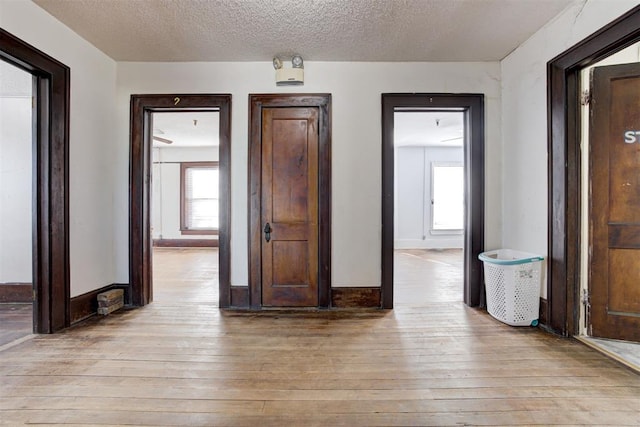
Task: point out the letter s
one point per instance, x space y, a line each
629 137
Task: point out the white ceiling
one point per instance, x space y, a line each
201 129
186 129
426 128
319 30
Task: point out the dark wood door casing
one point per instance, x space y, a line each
259 105
51 90
473 107
140 243
564 171
614 203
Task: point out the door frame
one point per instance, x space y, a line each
602 319
473 107
564 165
50 217
256 103
140 242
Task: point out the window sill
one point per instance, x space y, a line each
446 232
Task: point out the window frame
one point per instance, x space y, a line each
184 230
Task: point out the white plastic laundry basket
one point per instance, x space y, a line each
512 280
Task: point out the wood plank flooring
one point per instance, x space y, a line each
16 321
183 362
427 276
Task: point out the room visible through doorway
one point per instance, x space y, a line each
16 184
429 206
185 195
471 108
183 142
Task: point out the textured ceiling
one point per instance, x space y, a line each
320 30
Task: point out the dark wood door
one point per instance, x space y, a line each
290 207
614 163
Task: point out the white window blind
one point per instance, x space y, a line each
201 198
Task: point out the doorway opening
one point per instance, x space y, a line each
49 180
16 241
471 109
185 198
183 215
429 206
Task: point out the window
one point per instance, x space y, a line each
199 198
447 197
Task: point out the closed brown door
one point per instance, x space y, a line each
289 207
614 277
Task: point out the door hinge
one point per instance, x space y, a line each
585 299
34 295
585 97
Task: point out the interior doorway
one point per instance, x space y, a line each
16 241
50 178
185 181
183 143
567 271
429 206
470 107
565 232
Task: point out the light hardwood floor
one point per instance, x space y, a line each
15 321
183 362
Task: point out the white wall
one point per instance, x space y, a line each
356 145
99 150
524 119
165 197
413 216
15 175
92 142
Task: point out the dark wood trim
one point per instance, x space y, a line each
185 243
542 318
563 121
51 84
240 296
86 305
323 103
356 297
142 106
183 191
16 292
473 107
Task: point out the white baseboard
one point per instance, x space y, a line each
451 243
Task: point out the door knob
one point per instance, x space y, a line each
267 232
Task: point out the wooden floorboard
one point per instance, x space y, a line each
183 362
16 320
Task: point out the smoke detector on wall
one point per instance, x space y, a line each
293 76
